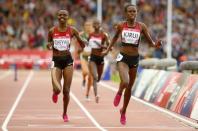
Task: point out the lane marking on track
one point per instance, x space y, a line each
93 127
4 75
6 121
22 117
174 115
50 126
87 112
84 109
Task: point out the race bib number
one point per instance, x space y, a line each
62 43
95 42
130 36
119 57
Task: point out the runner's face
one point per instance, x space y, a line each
96 25
63 15
88 27
131 13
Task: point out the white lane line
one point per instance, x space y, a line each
5 123
93 127
172 114
87 113
7 73
50 126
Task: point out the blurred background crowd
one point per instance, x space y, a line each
24 23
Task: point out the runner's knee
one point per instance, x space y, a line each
66 91
125 83
95 77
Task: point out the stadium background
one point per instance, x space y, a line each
24 23
23 37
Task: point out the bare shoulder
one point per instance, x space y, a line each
51 30
73 30
142 24
104 33
50 33
119 25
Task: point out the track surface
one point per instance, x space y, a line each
26 105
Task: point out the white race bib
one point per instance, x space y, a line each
130 36
95 42
119 57
61 43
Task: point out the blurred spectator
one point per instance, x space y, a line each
24 23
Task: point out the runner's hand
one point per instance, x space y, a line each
158 44
49 46
104 52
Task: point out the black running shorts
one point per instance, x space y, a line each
97 59
131 61
62 61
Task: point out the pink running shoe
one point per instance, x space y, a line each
122 118
117 99
54 98
65 118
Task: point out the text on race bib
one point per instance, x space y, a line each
61 43
130 36
95 42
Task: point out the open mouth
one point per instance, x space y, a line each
62 19
132 16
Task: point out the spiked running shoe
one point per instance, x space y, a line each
122 118
65 118
54 97
117 99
